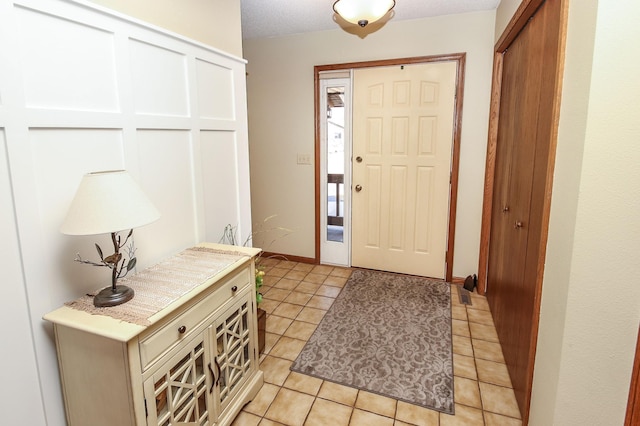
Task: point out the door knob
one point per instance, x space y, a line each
359 159
518 224
358 188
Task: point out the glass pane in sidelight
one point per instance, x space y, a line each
335 163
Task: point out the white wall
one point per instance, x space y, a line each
21 401
82 91
281 118
212 22
505 11
591 298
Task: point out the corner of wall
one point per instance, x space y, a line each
588 318
505 11
566 187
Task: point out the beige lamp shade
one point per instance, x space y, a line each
362 12
106 202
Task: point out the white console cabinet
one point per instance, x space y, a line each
196 363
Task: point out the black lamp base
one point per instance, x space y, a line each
108 297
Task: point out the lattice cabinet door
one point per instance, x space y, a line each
180 391
235 349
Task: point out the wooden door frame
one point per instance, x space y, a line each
460 59
633 403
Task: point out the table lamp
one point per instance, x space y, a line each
110 202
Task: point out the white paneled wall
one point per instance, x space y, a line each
215 80
159 79
225 144
82 90
168 181
66 65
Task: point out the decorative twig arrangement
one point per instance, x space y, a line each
229 236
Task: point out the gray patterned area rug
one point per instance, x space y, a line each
389 334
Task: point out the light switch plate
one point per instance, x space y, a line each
304 158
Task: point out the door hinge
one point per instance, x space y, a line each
146 411
450 177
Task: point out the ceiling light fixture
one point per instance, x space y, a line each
362 12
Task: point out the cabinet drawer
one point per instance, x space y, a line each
179 328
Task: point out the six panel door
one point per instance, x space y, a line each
402 149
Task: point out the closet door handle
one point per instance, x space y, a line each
518 225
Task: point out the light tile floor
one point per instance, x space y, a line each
296 297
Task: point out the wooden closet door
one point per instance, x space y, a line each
512 193
525 136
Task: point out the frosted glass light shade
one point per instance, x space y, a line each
362 12
108 202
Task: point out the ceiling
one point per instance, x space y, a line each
272 18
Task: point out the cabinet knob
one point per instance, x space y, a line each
518 225
505 209
182 329
234 288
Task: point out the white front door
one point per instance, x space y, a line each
402 149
